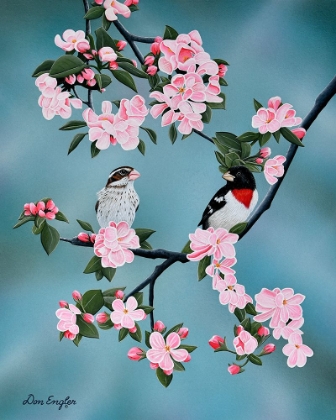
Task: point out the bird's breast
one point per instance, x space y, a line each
244 196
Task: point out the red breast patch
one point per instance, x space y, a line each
244 196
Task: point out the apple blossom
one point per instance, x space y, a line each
69 335
216 341
71 79
149 60
265 121
223 266
130 2
232 293
222 69
72 41
113 8
296 351
234 369
155 48
126 314
274 169
259 161
133 330
263 331
67 321
113 65
107 54
136 354
286 116
164 351
188 358
245 343
285 329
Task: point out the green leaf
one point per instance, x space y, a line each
75 141
94 13
164 379
99 275
246 324
123 333
206 116
229 140
250 309
223 169
173 329
104 40
189 349
238 228
61 217
112 292
73 125
218 105
39 221
221 61
246 150
94 150
43 68
137 336
37 230
107 325
185 136
257 105
124 78
133 8
186 249
109 272
130 68
248 136
264 139
106 24
255 327
151 134
147 335
92 301
24 220
291 137
147 309
172 133
221 146
254 359
230 158
202 265
144 233
77 339
223 82
85 225
49 238
252 167
153 81
178 366
93 265
142 147
139 297
87 330
66 65
240 314
276 135
170 33
146 245
91 41
220 158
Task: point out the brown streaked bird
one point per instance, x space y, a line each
118 200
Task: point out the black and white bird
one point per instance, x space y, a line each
233 203
118 200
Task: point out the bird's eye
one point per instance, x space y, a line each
123 172
238 173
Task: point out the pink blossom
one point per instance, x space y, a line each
279 305
163 352
126 314
135 64
217 242
117 327
89 318
232 293
69 335
76 295
183 333
223 266
234 369
149 60
46 84
153 366
222 69
216 341
136 354
121 44
296 351
299 132
265 152
119 294
72 40
187 359
286 116
71 79
245 343
130 2
113 65
45 210
274 102
107 54
265 121
83 237
159 326
151 70
113 242
113 8
63 304
102 317
269 348
274 169
263 331
284 329
68 320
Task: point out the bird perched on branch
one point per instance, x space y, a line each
118 200
234 202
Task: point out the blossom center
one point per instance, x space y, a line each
181 90
167 348
297 346
217 265
125 311
284 302
230 287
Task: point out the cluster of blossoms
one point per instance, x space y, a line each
277 115
87 75
273 168
72 40
219 244
284 309
122 128
85 237
53 100
113 242
114 8
163 351
184 98
46 210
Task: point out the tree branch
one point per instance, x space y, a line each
87 33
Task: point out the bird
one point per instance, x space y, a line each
118 200
233 203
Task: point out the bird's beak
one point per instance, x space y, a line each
228 176
133 175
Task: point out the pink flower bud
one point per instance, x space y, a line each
89 318
135 64
299 132
130 2
93 238
50 216
135 353
222 69
149 60
188 358
153 365
216 341
84 237
102 317
158 39
80 78
239 329
71 79
41 213
33 209
168 372
76 295
91 82
159 326
152 70
265 152
117 327
99 1
40 206
88 74
234 369
69 335
259 160
63 304
269 348
113 65
121 45
155 48
262 331
183 332
119 294
83 46
133 330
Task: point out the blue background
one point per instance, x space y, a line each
284 48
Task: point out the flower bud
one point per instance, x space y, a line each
121 45
135 64
239 329
119 294
89 318
153 365
222 69
262 331
259 161
216 341
299 132
113 65
234 369
71 79
136 354
93 238
83 237
269 348
265 152
117 327
183 332
102 317
155 48
76 295
168 372
152 70
149 60
159 326
69 335
133 330
188 358
63 304
158 39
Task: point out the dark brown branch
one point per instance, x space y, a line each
87 33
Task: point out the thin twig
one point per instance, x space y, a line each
89 102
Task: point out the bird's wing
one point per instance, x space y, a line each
96 206
216 203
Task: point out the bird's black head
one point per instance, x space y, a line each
240 177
